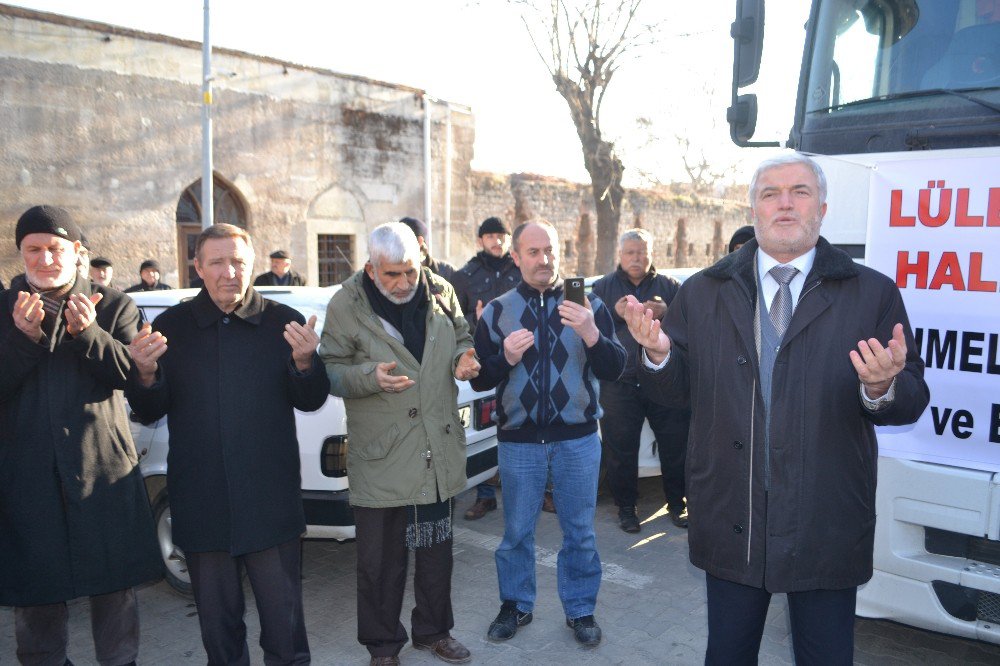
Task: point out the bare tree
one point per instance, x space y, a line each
582 45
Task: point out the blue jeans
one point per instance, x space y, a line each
485 491
524 470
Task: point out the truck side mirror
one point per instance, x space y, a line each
742 118
747 32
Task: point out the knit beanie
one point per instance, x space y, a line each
46 220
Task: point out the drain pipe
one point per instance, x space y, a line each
447 180
427 173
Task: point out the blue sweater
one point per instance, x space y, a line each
552 393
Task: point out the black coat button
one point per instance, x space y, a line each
447 428
741 359
738 528
413 412
737 445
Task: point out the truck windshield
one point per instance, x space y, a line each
878 49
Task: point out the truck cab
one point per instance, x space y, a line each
911 86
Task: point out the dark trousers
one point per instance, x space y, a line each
822 624
625 408
276 579
42 633
382 563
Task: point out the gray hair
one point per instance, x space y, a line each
784 160
636 234
393 243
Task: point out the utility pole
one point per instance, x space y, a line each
207 181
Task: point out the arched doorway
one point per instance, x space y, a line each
230 208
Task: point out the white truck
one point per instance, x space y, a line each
899 101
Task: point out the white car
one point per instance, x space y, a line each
323 440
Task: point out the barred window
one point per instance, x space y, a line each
334 252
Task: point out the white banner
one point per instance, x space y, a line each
934 227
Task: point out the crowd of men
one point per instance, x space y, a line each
752 376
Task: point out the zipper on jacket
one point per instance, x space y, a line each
753 408
543 359
427 454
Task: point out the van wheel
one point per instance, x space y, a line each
174 563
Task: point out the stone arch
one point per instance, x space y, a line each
336 235
229 206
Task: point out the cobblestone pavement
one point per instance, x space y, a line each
651 607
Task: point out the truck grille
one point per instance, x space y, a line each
988 607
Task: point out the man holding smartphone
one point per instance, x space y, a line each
546 356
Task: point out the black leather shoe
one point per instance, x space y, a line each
585 630
627 520
679 518
507 622
447 649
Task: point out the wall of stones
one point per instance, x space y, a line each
107 123
687 233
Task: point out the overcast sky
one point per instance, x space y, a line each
479 54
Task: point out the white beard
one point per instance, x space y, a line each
388 294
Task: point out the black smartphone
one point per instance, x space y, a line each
574 291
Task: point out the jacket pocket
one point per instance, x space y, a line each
371 444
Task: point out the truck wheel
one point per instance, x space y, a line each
174 564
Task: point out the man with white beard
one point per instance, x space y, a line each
394 342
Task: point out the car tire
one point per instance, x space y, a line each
174 563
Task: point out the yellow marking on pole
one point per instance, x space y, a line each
207 97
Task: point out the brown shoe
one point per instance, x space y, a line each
480 508
384 661
548 504
447 649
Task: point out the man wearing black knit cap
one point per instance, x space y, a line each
74 515
149 274
484 277
438 267
740 236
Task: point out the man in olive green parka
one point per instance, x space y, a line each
394 342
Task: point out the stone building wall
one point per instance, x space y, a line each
106 122
687 233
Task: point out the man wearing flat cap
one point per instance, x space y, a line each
101 271
149 274
436 266
74 516
281 273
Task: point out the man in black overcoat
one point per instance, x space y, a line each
228 368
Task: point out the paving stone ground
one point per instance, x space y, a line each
651 607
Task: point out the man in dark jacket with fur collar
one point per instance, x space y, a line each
790 355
